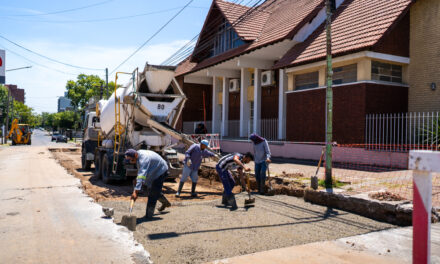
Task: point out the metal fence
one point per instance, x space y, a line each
403 131
269 128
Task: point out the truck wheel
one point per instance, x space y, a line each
85 164
98 167
106 167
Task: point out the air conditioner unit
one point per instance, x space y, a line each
234 85
267 78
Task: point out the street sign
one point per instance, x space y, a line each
2 66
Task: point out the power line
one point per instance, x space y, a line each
36 63
180 55
190 44
64 11
48 58
149 39
105 19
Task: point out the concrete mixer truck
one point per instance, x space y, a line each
140 115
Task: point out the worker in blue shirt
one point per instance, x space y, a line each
152 171
262 159
224 166
192 162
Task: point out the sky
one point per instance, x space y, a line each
97 36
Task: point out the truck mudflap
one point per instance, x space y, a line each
90 156
90 146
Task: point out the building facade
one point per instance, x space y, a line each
263 69
64 103
16 93
424 79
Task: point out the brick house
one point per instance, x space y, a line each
16 93
263 69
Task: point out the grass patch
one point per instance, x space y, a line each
335 183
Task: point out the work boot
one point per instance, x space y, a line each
179 189
149 212
224 200
193 189
165 203
262 185
258 184
232 202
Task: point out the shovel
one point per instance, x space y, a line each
251 201
129 220
270 192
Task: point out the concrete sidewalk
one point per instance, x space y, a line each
389 246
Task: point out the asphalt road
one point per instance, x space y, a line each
45 217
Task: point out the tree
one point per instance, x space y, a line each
23 113
86 87
3 100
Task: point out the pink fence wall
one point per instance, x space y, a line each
309 151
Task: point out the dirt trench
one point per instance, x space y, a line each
70 159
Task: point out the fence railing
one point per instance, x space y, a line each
403 131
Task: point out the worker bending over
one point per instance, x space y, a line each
152 171
262 160
224 167
194 156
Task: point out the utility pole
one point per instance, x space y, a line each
106 82
101 92
7 118
329 99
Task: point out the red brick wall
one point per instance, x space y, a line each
269 102
193 110
234 106
396 40
351 103
16 93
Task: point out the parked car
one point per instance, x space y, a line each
61 138
54 136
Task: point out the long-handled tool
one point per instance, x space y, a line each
270 192
314 179
251 201
270 179
129 220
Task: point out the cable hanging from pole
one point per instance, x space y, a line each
180 55
150 38
62 11
48 58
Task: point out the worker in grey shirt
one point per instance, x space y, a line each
152 171
191 165
261 159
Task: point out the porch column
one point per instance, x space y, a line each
216 109
257 101
244 103
225 107
282 104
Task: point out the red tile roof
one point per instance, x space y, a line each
357 25
273 21
249 29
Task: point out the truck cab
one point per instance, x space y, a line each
91 127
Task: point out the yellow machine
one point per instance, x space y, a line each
19 133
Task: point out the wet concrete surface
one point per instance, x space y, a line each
197 232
